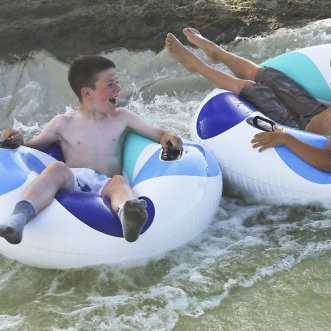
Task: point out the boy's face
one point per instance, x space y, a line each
107 89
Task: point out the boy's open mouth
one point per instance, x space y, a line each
113 101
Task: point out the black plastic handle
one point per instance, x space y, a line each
261 123
170 153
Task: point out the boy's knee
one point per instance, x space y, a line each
117 180
59 169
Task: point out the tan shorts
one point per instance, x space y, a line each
281 99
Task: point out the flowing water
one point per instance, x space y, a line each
257 267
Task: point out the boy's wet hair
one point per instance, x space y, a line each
84 72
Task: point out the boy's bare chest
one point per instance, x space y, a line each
87 134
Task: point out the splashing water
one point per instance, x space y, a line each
257 267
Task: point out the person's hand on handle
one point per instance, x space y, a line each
12 136
266 140
172 140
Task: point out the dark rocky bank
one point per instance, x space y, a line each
67 28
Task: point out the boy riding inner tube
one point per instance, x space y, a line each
78 229
225 124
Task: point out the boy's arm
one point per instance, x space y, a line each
317 157
49 135
45 138
137 124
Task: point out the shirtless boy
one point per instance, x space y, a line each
270 91
91 140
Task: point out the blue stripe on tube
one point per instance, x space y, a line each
221 113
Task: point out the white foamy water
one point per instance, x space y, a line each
257 267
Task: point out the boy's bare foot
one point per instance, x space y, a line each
133 216
182 54
213 51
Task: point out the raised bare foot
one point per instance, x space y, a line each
133 216
182 54
213 51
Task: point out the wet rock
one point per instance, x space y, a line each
68 28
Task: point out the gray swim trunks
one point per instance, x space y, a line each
281 99
88 180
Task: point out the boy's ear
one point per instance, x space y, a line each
85 92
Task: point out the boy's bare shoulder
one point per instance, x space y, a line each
124 112
121 111
60 122
63 118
